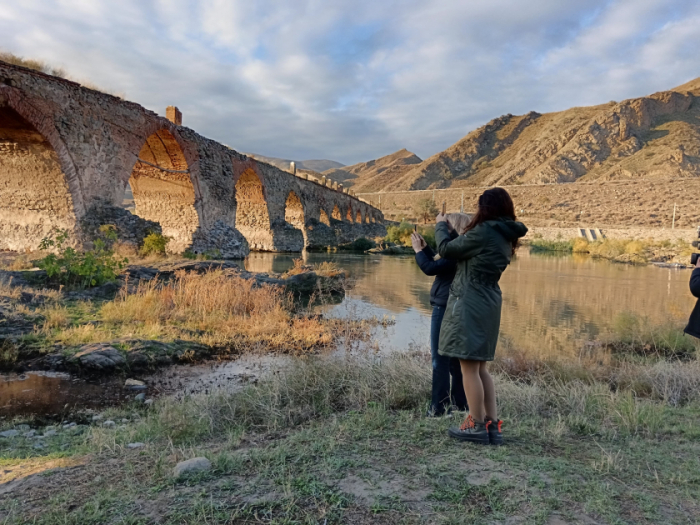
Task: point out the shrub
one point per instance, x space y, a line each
77 269
425 209
361 245
400 234
580 245
541 245
154 244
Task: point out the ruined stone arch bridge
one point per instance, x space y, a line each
67 154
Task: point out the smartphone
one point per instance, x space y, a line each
444 207
415 227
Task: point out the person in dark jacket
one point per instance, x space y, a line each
443 395
693 327
472 320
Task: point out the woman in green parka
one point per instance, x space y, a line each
472 320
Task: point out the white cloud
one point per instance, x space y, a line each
352 80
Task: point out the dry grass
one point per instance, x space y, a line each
220 310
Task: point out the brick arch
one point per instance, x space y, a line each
348 214
358 217
164 188
39 188
252 212
335 214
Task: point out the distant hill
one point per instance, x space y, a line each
375 175
317 165
653 136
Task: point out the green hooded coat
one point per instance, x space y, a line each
473 313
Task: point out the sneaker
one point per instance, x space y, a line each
494 430
472 431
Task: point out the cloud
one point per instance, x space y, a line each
353 80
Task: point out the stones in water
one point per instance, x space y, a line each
191 466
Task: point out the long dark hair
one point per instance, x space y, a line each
494 203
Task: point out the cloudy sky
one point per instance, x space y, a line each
352 80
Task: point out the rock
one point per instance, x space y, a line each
49 433
99 357
38 445
29 434
124 420
97 417
135 384
140 397
109 424
23 428
9 433
69 425
191 466
148 402
135 445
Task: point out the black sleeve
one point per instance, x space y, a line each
695 283
431 267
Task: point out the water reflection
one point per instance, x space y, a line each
551 305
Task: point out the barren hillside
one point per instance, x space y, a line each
654 136
375 175
317 165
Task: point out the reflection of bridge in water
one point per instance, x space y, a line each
67 154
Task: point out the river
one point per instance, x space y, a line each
552 305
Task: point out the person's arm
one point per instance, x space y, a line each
695 281
431 267
463 247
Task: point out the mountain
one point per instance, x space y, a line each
653 136
375 175
317 165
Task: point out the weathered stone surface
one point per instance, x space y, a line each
9 433
67 155
99 357
191 466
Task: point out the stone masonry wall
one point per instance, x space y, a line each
66 150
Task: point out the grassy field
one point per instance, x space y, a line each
345 440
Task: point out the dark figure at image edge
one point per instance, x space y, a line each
473 316
693 327
443 396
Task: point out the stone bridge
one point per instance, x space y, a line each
68 153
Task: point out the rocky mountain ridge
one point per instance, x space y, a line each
646 137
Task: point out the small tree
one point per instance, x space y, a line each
426 209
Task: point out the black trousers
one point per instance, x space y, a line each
444 395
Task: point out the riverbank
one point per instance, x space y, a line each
621 250
179 312
345 440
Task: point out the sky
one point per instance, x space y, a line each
352 80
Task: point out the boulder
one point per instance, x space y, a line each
99 357
191 466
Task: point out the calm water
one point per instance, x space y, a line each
551 304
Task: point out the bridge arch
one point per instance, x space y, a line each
323 217
164 189
252 212
39 187
358 217
348 214
335 214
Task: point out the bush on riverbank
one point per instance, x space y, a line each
633 251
